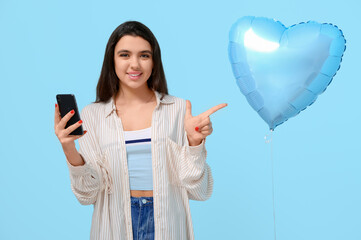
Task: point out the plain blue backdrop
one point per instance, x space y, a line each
51 47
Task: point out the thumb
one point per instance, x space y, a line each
188 108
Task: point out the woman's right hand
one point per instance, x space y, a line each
61 132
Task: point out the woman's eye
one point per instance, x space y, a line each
145 56
123 55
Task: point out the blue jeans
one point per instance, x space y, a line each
142 218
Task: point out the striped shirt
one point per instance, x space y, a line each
180 172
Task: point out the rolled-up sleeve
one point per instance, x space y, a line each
194 173
86 179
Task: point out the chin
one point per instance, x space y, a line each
136 85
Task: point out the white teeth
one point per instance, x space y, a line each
134 75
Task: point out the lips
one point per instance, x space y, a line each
134 75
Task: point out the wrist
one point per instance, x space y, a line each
194 142
73 157
68 147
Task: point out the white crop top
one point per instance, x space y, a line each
139 156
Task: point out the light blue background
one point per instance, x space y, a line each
51 47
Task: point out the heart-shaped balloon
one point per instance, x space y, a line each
282 70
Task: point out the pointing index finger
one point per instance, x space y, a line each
214 109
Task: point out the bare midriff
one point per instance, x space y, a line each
141 193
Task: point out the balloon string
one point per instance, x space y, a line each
268 139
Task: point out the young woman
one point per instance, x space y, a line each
143 155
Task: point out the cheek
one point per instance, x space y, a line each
119 66
150 67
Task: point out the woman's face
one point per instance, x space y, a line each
133 61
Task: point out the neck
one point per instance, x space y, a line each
133 96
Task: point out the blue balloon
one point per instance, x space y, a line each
282 70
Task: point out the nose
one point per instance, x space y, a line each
134 63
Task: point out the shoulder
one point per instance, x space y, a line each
95 109
92 107
174 102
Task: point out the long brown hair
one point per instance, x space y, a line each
108 84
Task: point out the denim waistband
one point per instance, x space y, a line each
140 201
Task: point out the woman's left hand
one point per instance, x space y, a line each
199 127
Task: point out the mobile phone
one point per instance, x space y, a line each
66 103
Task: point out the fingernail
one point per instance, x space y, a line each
72 111
80 121
56 105
197 128
85 132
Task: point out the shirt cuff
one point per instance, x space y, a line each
79 170
196 150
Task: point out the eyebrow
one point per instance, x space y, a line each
127 51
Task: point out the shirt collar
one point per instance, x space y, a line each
166 99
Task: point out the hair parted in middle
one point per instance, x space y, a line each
108 84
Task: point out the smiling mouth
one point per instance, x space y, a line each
134 75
